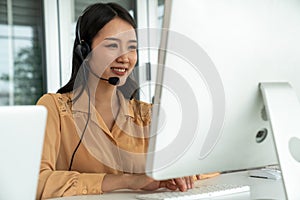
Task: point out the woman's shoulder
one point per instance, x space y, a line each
56 102
141 109
55 98
141 104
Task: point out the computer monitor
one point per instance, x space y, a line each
22 130
209 112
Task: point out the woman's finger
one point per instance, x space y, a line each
188 182
169 184
181 184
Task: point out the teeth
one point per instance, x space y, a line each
119 69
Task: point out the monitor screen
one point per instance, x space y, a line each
208 112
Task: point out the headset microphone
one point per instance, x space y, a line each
112 80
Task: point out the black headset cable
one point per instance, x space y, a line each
88 117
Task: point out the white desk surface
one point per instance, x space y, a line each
260 189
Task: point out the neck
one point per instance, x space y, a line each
105 93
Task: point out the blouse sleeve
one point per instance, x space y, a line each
54 183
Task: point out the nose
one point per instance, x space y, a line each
123 58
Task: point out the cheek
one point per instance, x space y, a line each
133 59
102 56
100 59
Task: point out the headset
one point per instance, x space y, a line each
83 48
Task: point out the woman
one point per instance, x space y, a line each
96 134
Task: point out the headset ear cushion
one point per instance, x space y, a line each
82 50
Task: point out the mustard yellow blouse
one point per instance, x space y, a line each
121 150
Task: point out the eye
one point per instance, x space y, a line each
112 46
132 47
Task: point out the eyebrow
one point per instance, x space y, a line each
117 39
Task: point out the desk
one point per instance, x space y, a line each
261 189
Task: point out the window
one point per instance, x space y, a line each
22 52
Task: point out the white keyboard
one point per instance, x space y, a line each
197 193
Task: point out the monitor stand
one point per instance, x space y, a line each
283 110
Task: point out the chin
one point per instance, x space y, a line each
122 81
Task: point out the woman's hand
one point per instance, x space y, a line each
144 182
183 184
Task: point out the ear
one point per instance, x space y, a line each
82 50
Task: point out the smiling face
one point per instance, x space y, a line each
114 50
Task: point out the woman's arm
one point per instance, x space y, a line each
53 182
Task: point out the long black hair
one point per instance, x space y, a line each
93 19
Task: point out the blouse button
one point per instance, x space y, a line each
84 191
